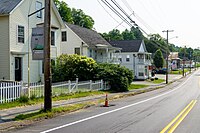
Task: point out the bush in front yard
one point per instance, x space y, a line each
70 67
118 76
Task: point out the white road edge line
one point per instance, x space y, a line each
108 112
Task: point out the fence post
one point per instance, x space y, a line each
69 86
76 84
1 91
102 87
20 88
90 84
29 91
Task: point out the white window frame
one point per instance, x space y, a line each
38 14
23 36
54 38
62 36
127 58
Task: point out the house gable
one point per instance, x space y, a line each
142 47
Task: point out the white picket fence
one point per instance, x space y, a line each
10 91
37 89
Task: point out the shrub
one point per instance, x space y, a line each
23 99
70 67
118 77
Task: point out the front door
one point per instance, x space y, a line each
18 68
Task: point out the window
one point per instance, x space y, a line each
77 51
20 34
141 74
64 36
52 38
38 7
90 52
120 58
127 58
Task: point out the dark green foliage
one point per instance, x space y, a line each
158 59
23 99
118 77
128 35
70 67
115 34
74 16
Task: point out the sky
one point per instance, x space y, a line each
153 16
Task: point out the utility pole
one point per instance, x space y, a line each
47 59
184 61
190 61
167 66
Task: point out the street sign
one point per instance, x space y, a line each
37 43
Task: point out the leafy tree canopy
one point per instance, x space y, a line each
158 59
74 16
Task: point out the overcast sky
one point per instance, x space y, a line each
154 16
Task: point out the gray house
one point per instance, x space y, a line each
134 56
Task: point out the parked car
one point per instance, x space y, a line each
161 71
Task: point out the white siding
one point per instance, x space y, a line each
20 17
4 47
73 41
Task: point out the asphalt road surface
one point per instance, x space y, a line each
175 108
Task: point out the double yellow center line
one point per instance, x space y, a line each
179 118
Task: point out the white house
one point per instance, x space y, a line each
89 43
15 35
134 56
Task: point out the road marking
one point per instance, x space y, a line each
115 110
174 120
179 118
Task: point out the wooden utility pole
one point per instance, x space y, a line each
47 59
167 53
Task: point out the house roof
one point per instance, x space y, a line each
6 6
90 37
127 45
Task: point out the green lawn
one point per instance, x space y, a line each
158 81
179 71
136 86
23 101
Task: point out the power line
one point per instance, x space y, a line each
116 12
137 16
121 9
120 23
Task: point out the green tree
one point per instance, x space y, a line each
81 19
115 35
158 59
128 35
64 10
74 16
137 33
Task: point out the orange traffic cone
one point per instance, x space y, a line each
106 101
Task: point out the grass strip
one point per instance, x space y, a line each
137 86
39 115
25 101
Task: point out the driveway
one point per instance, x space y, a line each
171 77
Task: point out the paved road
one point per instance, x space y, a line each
145 113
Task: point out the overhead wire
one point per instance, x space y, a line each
120 23
121 9
116 12
147 26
